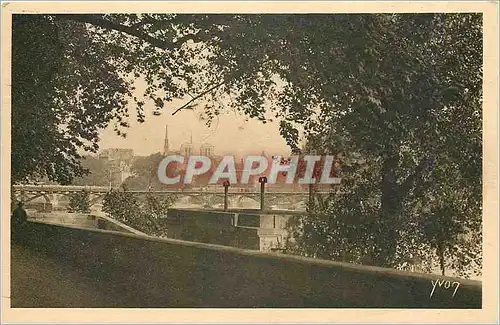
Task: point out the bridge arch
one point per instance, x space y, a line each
34 197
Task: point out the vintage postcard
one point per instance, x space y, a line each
243 162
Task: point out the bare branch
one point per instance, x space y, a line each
199 96
99 20
209 90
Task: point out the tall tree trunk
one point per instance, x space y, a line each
391 203
440 251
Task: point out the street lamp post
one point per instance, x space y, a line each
109 178
226 187
311 195
262 181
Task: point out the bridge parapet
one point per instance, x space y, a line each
105 189
53 194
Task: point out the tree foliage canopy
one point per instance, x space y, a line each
79 202
144 214
398 96
144 173
98 175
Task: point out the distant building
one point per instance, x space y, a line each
118 163
117 155
207 150
187 148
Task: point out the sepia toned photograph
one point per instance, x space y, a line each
245 160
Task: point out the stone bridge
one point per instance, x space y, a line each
58 196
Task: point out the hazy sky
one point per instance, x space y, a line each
230 134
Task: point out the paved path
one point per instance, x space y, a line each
38 281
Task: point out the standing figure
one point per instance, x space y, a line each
18 221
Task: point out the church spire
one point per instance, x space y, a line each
166 149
